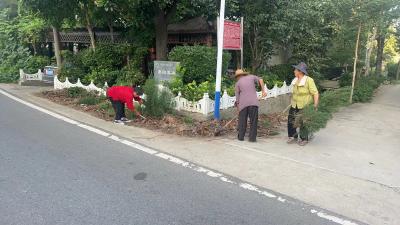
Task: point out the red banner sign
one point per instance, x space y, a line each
232 35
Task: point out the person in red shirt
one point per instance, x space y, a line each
119 96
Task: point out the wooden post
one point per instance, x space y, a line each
355 63
398 71
241 40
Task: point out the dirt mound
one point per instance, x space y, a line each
171 124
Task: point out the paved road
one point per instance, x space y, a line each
54 173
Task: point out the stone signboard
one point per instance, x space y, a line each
165 70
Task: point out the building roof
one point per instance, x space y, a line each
195 25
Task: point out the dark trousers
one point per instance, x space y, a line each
246 113
119 109
292 132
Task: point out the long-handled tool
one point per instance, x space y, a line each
141 116
219 130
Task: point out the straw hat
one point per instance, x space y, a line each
240 72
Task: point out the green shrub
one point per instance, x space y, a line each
312 121
36 62
346 80
191 91
73 67
332 100
365 87
194 92
271 80
176 85
284 72
230 90
106 57
392 70
100 76
157 102
130 77
75 92
89 100
199 63
12 58
188 120
105 105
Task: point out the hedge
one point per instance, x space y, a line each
332 100
198 63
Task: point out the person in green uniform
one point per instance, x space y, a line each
305 92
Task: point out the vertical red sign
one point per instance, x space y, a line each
232 35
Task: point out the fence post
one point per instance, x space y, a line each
225 100
79 83
21 76
178 101
205 106
275 91
40 74
67 84
284 88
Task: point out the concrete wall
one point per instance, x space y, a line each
271 105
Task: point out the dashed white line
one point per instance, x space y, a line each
174 159
332 218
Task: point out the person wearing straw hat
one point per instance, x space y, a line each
304 93
247 102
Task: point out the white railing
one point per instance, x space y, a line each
206 105
203 106
58 85
26 76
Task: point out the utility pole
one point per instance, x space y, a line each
221 22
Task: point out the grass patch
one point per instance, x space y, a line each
331 101
89 100
188 120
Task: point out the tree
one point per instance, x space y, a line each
155 15
31 30
387 12
261 26
87 8
54 12
13 55
397 34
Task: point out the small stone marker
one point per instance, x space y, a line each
165 70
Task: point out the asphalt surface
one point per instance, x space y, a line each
55 173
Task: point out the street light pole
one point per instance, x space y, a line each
220 35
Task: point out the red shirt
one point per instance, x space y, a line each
123 94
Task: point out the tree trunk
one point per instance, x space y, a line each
370 48
398 71
379 55
110 26
161 35
91 33
355 64
57 48
34 48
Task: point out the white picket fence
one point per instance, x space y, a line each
58 85
28 77
205 106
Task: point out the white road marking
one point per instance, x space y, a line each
176 160
332 218
94 130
